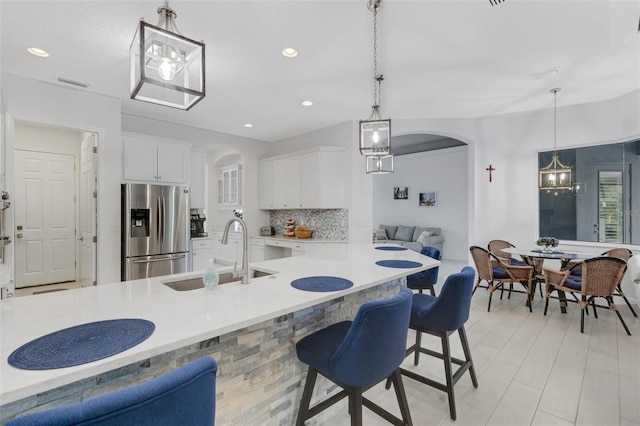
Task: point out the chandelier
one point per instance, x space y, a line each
375 131
167 68
555 175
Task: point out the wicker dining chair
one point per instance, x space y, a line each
620 253
600 276
497 273
496 247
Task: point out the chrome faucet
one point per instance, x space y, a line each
245 246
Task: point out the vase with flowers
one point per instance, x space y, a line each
547 243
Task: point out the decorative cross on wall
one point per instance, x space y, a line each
490 169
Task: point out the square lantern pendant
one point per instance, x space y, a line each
379 164
555 175
375 137
166 68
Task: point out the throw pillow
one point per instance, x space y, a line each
404 233
381 234
423 236
391 231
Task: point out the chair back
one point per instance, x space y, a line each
428 278
482 260
601 275
185 396
496 246
375 343
621 253
451 309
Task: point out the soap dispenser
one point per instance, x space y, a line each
211 277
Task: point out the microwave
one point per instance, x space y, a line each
267 231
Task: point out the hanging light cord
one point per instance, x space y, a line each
376 82
555 119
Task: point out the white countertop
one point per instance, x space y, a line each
181 318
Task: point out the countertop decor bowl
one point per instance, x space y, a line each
303 233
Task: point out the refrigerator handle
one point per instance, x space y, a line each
164 259
158 221
163 213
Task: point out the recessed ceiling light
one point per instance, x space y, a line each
307 103
38 52
248 125
289 52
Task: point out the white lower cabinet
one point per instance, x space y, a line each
201 252
230 253
256 249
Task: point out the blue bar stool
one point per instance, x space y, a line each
441 316
185 396
357 355
425 280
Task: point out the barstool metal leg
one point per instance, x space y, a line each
467 355
417 347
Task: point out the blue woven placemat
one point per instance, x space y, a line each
321 283
398 263
81 344
391 248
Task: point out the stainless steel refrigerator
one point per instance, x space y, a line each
155 230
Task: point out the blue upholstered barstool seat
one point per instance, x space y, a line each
441 316
425 279
358 354
185 396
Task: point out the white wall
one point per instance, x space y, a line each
444 171
32 101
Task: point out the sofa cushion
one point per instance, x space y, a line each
381 234
405 233
391 231
416 232
424 236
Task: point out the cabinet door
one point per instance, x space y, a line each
230 186
286 183
256 253
197 180
309 181
322 180
173 163
265 185
200 258
139 160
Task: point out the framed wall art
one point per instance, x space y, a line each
427 199
401 193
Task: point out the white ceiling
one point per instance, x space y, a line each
441 59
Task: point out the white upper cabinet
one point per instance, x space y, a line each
285 184
312 179
265 185
198 180
153 161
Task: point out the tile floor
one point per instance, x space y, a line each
532 369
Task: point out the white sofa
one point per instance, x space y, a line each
408 236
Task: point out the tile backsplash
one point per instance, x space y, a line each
330 224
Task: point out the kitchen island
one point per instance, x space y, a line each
250 330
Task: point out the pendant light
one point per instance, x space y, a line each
555 175
375 132
379 164
167 68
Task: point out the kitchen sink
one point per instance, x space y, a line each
195 283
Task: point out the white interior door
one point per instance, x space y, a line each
45 249
88 194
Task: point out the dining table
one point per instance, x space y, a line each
530 255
